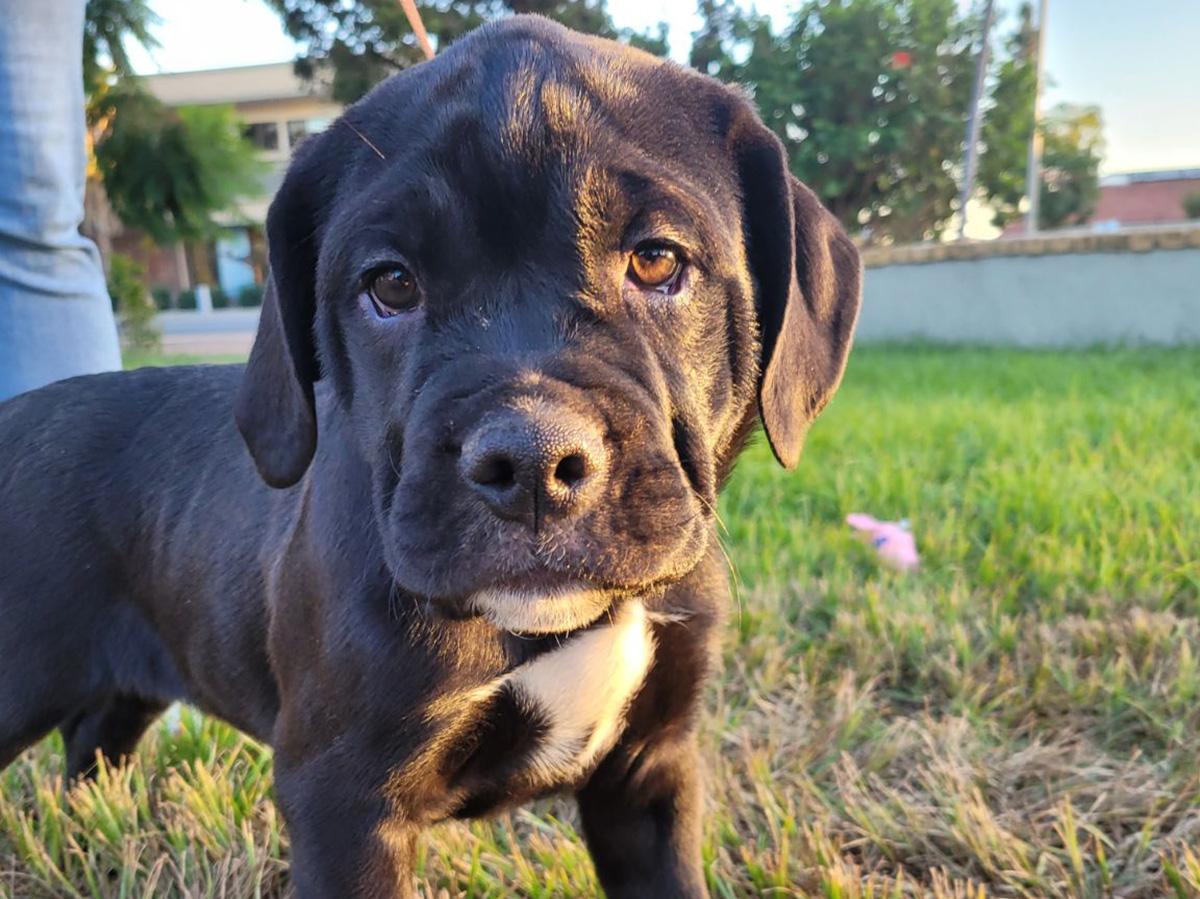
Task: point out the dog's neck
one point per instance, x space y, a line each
581 691
539 727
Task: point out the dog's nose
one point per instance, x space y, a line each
535 464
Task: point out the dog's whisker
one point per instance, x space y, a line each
716 514
735 580
366 140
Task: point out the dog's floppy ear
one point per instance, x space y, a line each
274 408
808 281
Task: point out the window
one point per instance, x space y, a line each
298 129
264 135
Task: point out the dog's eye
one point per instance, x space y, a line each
393 290
656 266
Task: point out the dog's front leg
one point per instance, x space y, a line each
344 844
641 820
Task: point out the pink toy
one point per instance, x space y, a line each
892 540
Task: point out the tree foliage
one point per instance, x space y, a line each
723 24
167 172
363 41
870 99
868 96
1073 145
107 24
1008 123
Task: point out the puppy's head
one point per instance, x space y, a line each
552 281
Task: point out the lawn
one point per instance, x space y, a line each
1020 718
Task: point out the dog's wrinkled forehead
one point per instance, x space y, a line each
531 79
539 134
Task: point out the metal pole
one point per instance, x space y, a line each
968 184
1033 170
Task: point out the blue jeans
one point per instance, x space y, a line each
55 317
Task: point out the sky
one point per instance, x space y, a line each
1139 60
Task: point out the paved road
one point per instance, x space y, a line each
218 333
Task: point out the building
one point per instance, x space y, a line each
1145 198
278 110
1135 199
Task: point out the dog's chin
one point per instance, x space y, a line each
539 610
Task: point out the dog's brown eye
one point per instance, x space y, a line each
394 290
656 266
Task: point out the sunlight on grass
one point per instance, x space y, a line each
1020 718
135 358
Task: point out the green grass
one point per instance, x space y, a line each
135 358
1020 718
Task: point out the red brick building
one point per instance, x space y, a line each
1145 198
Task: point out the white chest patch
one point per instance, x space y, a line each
583 689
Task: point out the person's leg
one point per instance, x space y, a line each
55 317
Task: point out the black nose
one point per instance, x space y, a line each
534 464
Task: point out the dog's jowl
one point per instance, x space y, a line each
447 541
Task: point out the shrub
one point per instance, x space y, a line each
186 299
220 299
250 296
1191 205
131 300
162 298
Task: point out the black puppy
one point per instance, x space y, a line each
528 300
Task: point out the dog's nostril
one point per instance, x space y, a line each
571 469
494 471
533 466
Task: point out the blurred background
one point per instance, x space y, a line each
1019 715
914 120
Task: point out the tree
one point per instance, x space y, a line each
363 41
868 96
1072 144
1072 148
655 43
1008 124
107 24
724 24
165 172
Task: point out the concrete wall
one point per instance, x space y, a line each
1072 291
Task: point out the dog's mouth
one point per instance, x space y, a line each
538 610
539 603
535 597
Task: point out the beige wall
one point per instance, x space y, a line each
243 84
280 112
